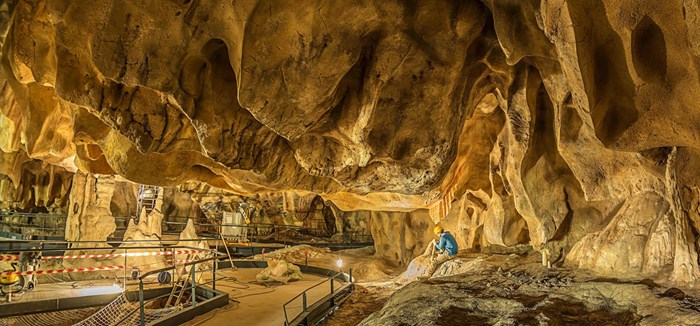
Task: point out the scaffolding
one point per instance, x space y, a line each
146 200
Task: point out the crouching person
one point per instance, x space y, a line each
446 246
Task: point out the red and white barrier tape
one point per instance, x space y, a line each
9 258
183 261
130 254
67 270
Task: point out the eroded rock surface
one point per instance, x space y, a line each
569 126
514 290
89 217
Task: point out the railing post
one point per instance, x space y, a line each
213 273
194 292
351 276
142 308
332 291
303 300
125 254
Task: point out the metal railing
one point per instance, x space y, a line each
329 296
283 233
132 252
193 282
256 232
44 246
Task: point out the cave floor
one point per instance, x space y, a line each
254 304
477 289
367 298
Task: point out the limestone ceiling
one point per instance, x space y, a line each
376 104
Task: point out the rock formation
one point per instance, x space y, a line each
399 237
32 185
568 126
89 217
279 271
515 290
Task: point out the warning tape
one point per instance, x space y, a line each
130 254
9 258
67 270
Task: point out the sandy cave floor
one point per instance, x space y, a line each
255 304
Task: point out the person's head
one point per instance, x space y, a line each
438 230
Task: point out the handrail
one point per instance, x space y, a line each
252 225
212 256
309 288
203 260
349 281
15 241
193 287
354 237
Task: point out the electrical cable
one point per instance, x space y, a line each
252 294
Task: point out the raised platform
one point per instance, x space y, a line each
44 303
254 304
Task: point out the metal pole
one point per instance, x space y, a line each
142 308
217 242
194 293
351 275
125 252
303 297
213 273
332 292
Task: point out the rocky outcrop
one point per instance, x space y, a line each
563 125
89 217
517 290
279 271
32 185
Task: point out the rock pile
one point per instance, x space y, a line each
279 271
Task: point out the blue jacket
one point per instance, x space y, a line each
448 242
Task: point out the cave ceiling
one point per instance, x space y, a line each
380 105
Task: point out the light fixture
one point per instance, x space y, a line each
135 273
339 262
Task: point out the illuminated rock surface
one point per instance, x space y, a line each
566 127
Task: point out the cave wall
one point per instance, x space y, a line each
567 126
398 236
